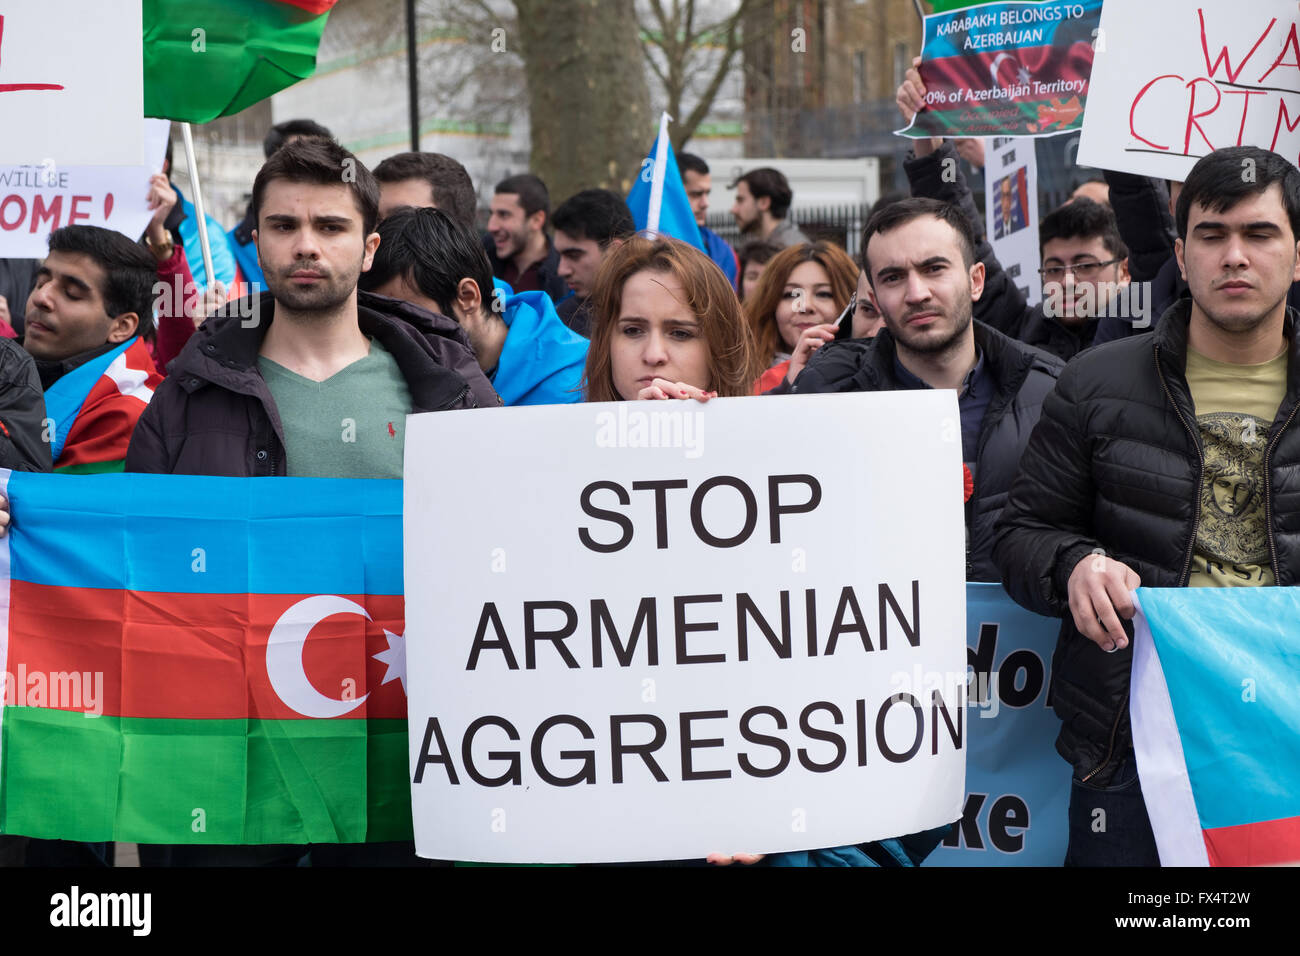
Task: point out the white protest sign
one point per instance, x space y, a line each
1011 211
1173 81
36 200
71 82
668 629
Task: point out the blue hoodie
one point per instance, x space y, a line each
542 360
223 259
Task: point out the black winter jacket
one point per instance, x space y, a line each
22 412
1115 465
451 346
1023 375
1044 332
214 414
1141 207
17 279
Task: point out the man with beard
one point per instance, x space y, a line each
588 226
517 245
265 394
919 262
1169 459
763 198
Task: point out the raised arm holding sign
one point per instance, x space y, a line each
1007 69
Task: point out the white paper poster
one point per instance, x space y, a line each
71 82
36 200
659 634
1173 81
1011 211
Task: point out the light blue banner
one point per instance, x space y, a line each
1017 787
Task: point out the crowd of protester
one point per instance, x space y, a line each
1105 446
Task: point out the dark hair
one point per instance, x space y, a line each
280 132
595 214
530 190
756 250
129 270
690 163
1083 219
904 211
888 199
431 251
453 190
321 162
1218 182
760 309
771 183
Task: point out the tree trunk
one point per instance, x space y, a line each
589 109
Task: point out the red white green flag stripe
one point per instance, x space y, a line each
203 660
93 409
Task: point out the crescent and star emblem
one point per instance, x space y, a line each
1022 75
284 649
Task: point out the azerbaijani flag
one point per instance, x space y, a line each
1007 69
203 660
943 6
92 410
210 58
1215 708
658 199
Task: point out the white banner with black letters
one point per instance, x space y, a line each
656 630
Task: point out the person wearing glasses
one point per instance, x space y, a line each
1085 262
1085 276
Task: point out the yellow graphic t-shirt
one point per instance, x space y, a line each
1235 406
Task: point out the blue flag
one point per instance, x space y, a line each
658 200
1214 714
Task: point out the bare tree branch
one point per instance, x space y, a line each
729 29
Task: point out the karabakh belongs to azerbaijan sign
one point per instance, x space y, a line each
159 686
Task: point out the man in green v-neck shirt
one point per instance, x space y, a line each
351 425
305 380
314 385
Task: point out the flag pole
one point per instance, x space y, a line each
198 205
660 170
412 77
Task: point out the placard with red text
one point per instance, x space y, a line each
71 82
1173 81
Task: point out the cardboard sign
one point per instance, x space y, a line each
1011 211
71 82
1221 74
36 200
663 635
